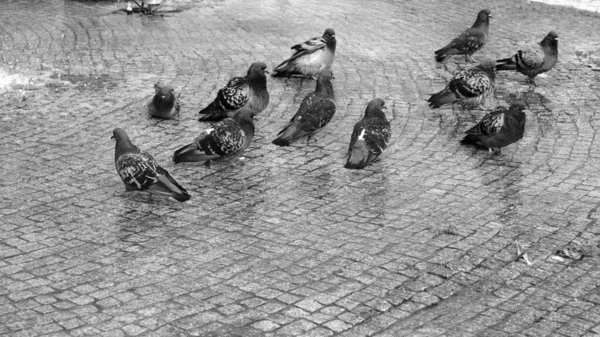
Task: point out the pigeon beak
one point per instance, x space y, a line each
266 71
112 137
162 97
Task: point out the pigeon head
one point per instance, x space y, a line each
245 112
484 14
257 71
551 40
329 36
517 107
257 68
374 108
119 134
166 90
483 18
123 143
324 83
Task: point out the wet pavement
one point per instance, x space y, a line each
423 243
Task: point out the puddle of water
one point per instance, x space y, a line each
8 81
588 5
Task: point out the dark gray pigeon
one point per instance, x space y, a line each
315 111
250 90
499 128
224 140
370 136
469 41
164 104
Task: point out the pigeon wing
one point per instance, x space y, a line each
490 124
377 135
470 83
224 139
137 170
469 40
234 95
314 113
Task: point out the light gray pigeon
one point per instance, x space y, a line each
370 136
164 104
140 171
250 90
469 41
310 57
315 111
534 59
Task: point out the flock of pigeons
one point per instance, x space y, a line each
242 98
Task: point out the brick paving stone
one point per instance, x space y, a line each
421 243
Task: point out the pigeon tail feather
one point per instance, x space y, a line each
360 157
168 186
442 54
285 69
506 64
287 135
190 153
470 139
443 97
211 113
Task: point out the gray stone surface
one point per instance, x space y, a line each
422 243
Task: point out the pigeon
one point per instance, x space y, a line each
140 171
310 57
315 111
250 90
470 87
469 41
164 104
534 59
224 140
370 136
499 128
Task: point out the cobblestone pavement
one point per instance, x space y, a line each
423 243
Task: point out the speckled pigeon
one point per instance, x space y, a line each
164 104
499 128
370 136
140 171
534 59
310 57
469 87
224 140
250 90
469 41
315 111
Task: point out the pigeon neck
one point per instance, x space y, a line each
258 79
374 113
124 146
551 45
489 71
324 88
246 123
331 43
481 22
